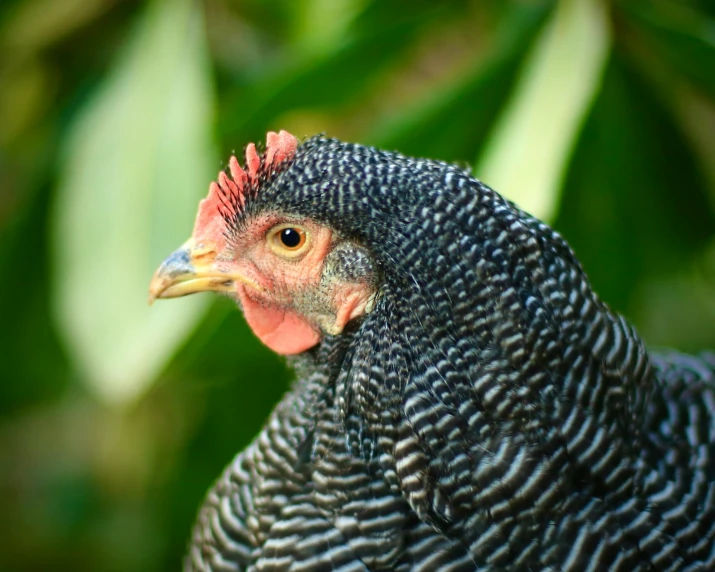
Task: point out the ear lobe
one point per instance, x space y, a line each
284 331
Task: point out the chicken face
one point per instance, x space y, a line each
295 279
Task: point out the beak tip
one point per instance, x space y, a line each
188 271
157 286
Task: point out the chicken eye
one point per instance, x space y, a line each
289 240
292 238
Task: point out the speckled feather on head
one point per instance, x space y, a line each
486 411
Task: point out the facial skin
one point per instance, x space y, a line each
295 280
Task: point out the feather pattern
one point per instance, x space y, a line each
490 413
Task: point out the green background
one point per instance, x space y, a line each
98 474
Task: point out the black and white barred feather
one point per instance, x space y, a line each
490 413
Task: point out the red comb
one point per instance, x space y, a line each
253 161
279 147
228 192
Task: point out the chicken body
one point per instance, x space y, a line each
483 410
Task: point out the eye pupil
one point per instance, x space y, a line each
291 238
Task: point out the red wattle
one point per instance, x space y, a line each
283 331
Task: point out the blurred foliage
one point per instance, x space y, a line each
148 112
109 479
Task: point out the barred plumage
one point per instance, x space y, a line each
488 413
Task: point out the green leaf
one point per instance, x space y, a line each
320 24
679 37
635 206
326 79
453 123
138 158
531 144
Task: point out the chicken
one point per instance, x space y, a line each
463 401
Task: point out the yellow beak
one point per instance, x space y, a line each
190 269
